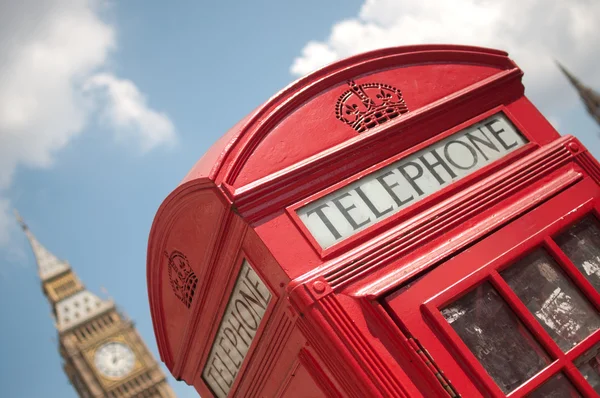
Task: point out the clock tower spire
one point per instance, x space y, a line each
103 354
590 98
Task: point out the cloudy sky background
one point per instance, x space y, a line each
105 105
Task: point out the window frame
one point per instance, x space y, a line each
510 243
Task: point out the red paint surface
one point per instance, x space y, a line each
337 325
312 127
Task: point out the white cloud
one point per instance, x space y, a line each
314 55
54 60
126 109
555 122
4 223
534 32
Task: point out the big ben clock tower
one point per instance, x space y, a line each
104 356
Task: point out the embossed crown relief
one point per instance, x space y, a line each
181 276
368 105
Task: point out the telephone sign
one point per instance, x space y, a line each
383 193
401 223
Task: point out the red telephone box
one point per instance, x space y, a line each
402 223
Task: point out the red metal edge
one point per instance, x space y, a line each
225 158
206 276
352 258
339 343
469 101
157 236
297 93
449 293
457 186
317 372
382 284
199 364
430 309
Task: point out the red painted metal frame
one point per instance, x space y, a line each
329 313
159 234
487 268
292 183
243 255
391 283
383 225
298 93
529 169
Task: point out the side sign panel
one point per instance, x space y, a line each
385 192
243 315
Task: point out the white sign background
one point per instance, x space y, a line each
385 192
243 315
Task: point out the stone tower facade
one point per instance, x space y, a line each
103 354
590 98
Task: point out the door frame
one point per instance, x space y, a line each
417 308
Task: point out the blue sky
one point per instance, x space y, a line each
121 115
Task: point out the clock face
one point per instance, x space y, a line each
114 359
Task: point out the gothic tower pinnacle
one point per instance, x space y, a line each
48 264
103 354
590 98
71 302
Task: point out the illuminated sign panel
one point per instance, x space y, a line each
245 310
385 192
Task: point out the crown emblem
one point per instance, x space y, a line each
365 106
183 280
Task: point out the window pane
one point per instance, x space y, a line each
557 387
547 292
581 243
496 337
589 366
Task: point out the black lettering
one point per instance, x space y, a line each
251 299
209 374
411 179
237 305
256 285
233 340
240 327
228 353
225 367
220 371
496 133
370 204
452 162
319 211
439 162
346 211
487 142
389 189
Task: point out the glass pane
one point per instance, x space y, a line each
581 243
557 387
496 337
589 366
547 292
